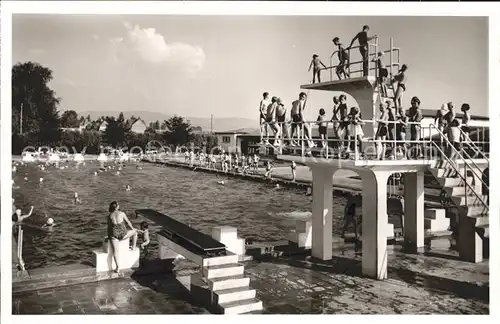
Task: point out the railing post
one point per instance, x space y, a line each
301 138
355 143
391 58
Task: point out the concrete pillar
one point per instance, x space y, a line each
322 212
414 209
374 262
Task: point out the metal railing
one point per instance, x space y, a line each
467 167
372 51
467 141
342 135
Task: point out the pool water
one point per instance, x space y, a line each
257 210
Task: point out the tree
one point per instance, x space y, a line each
69 119
179 131
39 103
117 131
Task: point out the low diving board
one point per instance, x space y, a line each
344 85
183 235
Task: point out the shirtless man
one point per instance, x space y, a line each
343 60
363 40
298 107
271 118
263 111
281 119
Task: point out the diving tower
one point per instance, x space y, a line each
365 89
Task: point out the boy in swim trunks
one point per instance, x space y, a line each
293 166
322 127
343 60
315 64
269 170
263 111
383 73
400 78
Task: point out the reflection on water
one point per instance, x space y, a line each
255 209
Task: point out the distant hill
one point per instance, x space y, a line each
219 124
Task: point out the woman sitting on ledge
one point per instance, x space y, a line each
117 231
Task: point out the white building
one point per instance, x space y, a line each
138 126
228 141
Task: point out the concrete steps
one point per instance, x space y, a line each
473 216
435 220
242 306
223 270
234 294
469 200
228 282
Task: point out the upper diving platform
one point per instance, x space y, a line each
344 85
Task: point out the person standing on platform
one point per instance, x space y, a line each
322 128
415 117
263 110
382 75
401 129
271 119
281 119
465 124
363 40
342 130
400 78
315 64
382 131
297 118
293 166
343 60
440 121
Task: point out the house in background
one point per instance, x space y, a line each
103 126
228 141
138 126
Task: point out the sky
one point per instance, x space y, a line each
221 65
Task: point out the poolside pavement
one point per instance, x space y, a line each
419 283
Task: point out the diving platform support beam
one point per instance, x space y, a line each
374 211
322 212
414 209
375 219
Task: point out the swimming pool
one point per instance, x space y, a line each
257 210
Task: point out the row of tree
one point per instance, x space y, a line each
36 121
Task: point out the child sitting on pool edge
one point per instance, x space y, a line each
144 231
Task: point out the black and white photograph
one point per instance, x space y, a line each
260 163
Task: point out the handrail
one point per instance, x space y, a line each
465 163
20 247
370 55
476 149
461 176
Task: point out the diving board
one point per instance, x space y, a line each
183 235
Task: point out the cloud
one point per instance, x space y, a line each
116 40
152 48
71 83
36 51
95 36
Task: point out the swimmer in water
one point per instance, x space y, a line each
128 188
49 224
76 199
269 170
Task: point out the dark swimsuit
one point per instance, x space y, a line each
117 231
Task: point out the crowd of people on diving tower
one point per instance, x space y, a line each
394 123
